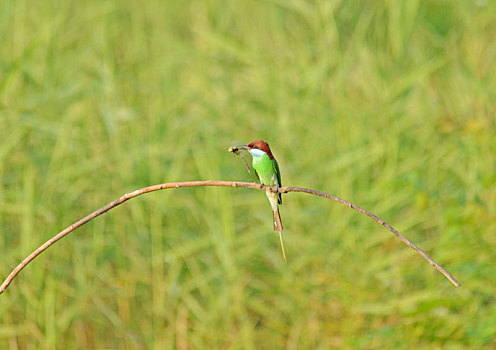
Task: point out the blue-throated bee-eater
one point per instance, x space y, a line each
267 171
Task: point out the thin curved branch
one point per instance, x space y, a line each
255 186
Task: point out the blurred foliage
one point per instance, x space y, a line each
388 104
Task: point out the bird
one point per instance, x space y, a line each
268 173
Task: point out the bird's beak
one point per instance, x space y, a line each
235 149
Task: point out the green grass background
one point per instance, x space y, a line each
388 104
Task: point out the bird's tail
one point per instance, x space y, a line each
278 227
277 221
282 246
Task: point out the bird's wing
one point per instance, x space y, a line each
278 174
258 177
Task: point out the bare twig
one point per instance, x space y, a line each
255 186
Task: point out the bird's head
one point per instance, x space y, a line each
256 148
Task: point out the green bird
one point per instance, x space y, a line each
267 171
